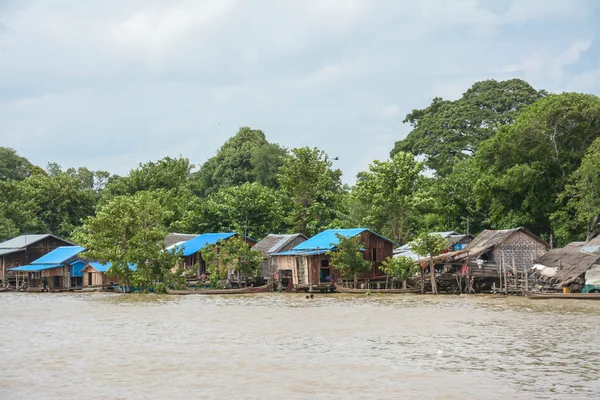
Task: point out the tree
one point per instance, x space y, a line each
231 256
313 188
455 205
233 164
13 166
390 189
581 197
241 259
399 268
428 245
347 257
266 161
447 131
251 208
128 230
527 165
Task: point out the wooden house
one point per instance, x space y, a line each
192 248
272 244
60 269
97 274
307 264
22 250
490 256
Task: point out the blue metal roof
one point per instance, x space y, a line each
35 268
196 244
59 255
98 266
327 240
104 267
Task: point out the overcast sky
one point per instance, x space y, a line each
110 84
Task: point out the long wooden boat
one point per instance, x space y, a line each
246 290
572 296
342 289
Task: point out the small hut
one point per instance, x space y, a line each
95 274
574 266
272 244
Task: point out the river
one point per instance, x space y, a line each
284 346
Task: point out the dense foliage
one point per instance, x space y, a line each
502 155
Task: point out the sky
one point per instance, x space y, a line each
108 84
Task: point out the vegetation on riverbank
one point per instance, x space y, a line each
503 155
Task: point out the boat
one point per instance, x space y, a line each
342 289
572 296
250 289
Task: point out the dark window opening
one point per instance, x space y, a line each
325 263
374 255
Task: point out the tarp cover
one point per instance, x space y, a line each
592 276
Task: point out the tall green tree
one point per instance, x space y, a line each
128 230
348 259
581 199
429 245
527 165
313 188
390 190
249 208
447 131
13 166
266 161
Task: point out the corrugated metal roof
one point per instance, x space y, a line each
59 255
274 243
301 252
10 251
327 239
196 244
35 268
177 238
98 266
26 240
104 267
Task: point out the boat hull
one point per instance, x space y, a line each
342 289
247 290
571 296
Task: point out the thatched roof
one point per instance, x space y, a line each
489 238
572 260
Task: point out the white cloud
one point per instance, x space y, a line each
127 81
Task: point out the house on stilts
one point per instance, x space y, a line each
307 266
22 250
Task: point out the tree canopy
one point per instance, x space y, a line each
447 131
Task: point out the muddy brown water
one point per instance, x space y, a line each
283 346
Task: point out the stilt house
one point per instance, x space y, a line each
307 264
57 270
272 244
24 249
